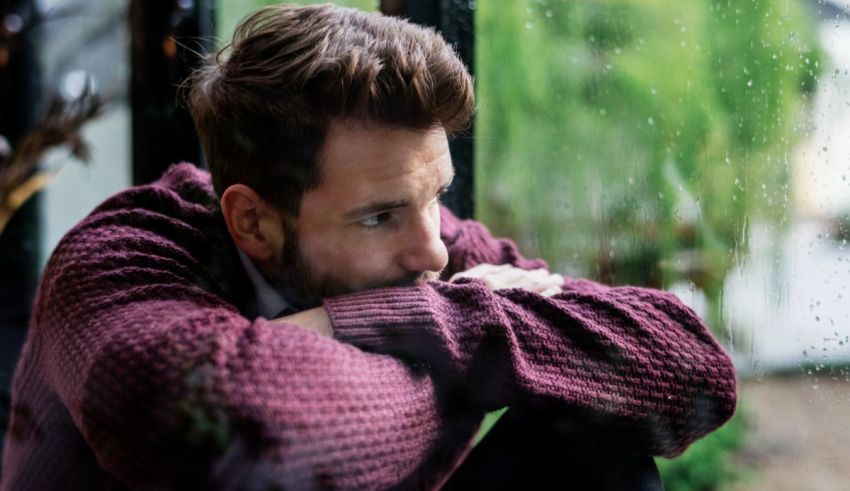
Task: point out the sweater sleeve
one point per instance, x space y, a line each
168 384
633 363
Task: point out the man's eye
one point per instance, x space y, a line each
375 220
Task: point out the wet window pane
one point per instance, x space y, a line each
85 46
700 147
230 12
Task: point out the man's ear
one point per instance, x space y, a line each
255 226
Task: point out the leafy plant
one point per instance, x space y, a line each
709 464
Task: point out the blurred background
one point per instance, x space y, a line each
702 147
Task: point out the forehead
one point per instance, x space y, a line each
363 161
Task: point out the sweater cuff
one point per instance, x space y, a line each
381 318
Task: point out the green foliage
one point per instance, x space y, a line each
709 464
633 140
490 420
230 12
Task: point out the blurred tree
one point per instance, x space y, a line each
632 141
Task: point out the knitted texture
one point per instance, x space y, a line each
138 372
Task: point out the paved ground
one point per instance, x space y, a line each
801 433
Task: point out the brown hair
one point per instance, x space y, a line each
263 104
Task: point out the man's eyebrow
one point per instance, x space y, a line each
375 207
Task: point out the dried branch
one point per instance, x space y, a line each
60 125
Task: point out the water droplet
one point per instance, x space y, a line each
749 83
650 120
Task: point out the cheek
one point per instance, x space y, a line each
353 260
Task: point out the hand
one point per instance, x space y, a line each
315 320
506 276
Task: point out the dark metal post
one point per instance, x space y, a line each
167 36
456 22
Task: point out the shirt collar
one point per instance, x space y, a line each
268 301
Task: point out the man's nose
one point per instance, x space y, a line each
424 249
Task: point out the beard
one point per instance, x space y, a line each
307 289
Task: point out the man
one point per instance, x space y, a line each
151 361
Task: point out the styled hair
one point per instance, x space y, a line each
263 104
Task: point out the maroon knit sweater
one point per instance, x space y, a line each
138 372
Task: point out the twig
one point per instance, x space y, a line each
60 126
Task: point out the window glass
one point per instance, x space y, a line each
86 47
230 12
69 47
699 147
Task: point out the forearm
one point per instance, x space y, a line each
635 363
185 391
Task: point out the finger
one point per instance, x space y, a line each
534 280
480 271
458 276
554 290
516 275
550 280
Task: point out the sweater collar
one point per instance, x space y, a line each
268 302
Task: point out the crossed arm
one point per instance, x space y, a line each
151 366
494 276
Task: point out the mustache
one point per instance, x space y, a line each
413 279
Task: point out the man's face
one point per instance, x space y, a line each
374 220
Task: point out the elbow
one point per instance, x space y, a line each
710 400
722 390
